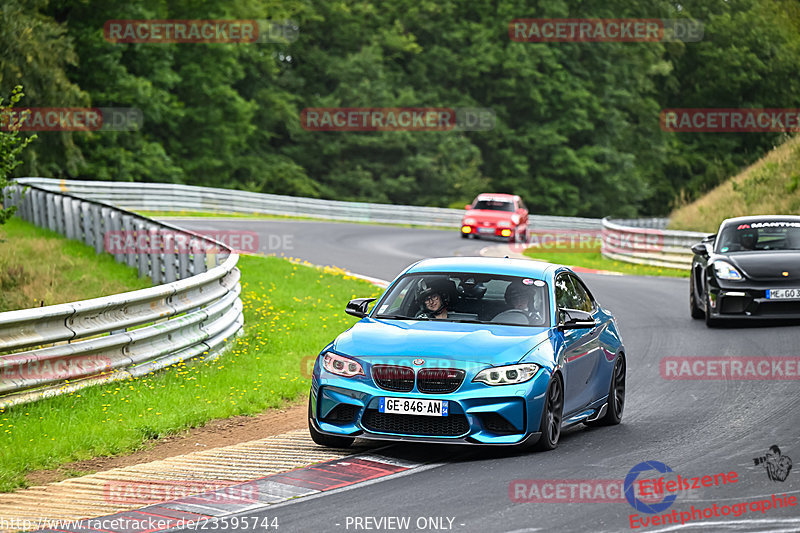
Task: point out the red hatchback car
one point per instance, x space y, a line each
496 215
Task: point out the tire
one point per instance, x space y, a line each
694 310
465 235
550 426
329 441
616 396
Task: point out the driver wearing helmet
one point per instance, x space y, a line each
523 309
433 300
749 239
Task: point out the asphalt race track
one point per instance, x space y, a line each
696 427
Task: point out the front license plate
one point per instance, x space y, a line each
412 406
783 294
485 230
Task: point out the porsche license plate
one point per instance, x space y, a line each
783 294
413 406
485 230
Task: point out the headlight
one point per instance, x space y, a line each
341 366
469 221
726 271
507 375
504 224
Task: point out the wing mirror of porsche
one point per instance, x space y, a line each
575 319
358 307
700 249
467 207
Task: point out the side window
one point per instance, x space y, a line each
564 292
522 205
583 300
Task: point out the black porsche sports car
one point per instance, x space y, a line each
749 269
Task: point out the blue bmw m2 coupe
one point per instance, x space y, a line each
474 351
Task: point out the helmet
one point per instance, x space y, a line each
749 239
516 292
428 287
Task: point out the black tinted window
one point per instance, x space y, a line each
582 299
494 205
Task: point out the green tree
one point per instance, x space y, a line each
11 146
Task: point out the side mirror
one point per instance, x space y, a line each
358 307
700 249
467 207
575 319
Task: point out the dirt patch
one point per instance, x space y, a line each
214 434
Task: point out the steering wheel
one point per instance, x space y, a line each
513 316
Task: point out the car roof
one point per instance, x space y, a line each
759 218
487 265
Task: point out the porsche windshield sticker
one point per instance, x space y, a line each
779 224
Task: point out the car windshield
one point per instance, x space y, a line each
494 205
467 297
760 236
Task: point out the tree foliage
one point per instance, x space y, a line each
11 146
577 130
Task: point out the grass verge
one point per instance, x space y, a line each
291 312
594 259
40 267
769 186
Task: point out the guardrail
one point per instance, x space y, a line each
176 197
61 348
641 241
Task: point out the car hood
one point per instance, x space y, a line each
767 265
485 215
401 341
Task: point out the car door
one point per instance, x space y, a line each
581 347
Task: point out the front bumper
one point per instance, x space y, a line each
748 299
504 233
504 415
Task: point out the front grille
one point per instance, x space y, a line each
778 309
394 378
342 413
497 424
440 426
439 379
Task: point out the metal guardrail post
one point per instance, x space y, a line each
127 235
142 258
97 229
114 231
